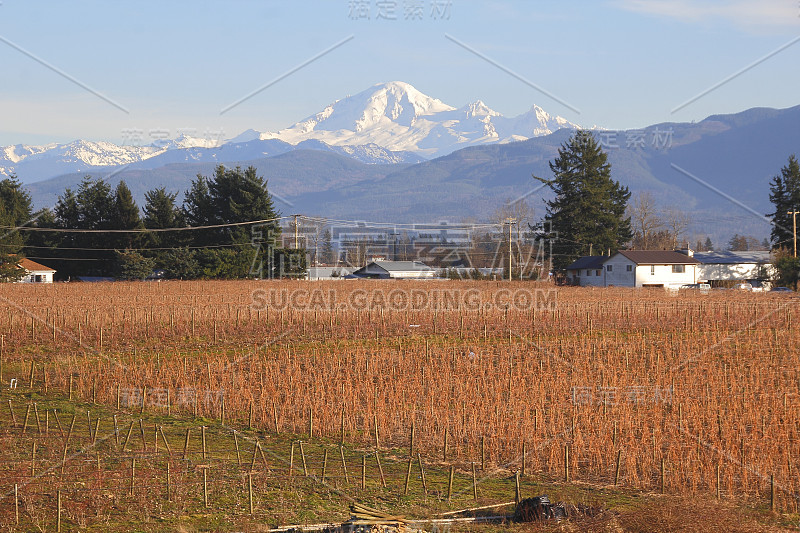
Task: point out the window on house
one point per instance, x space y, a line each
599 272
652 270
628 268
609 268
678 269
588 272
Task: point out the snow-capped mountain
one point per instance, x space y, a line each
397 116
388 123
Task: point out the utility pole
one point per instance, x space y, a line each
296 242
794 229
510 221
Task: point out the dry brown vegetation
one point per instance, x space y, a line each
705 385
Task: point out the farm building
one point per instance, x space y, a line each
587 271
395 270
635 268
718 267
650 268
328 272
36 273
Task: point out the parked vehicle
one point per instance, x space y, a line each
702 287
781 289
743 286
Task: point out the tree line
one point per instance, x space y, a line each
81 237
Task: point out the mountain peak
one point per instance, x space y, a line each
397 116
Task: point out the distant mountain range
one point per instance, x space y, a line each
388 123
709 169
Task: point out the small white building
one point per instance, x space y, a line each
36 273
318 273
734 266
395 270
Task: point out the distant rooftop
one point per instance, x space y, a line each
727 258
591 262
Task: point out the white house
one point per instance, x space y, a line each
734 266
650 268
395 270
635 268
587 271
36 273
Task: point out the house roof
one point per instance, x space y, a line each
730 258
403 266
591 262
658 257
32 266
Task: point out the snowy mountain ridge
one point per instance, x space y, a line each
387 123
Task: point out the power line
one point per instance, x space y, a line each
139 230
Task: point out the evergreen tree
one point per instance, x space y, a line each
589 207
15 210
125 216
709 246
133 266
91 208
161 211
233 196
785 196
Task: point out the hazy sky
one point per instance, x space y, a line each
175 65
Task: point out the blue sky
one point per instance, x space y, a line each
175 65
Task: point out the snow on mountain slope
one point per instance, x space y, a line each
398 117
387 123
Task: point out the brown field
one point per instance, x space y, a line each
698 392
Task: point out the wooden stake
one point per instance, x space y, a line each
364 471
169 498
116 431
566 463
238 453
474 483
616 470
128 436
380 468
166 442
203 434
662 475
133 474
58 520
33 459
291 461
186 444
13 416
27 415
344 465
303 456
408 474
16 503
422 474
450 484
772 492
250 491
205 486
324 464
141 432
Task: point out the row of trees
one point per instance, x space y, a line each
99 231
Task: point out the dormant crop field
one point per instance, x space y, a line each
148 402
